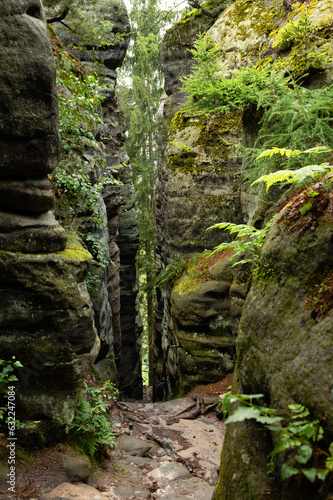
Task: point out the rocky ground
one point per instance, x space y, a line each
168 451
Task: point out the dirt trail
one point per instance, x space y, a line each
168 451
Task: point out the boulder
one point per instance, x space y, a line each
68 491
77 468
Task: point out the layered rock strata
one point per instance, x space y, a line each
119 323
199 173
29 136
46 316
199 169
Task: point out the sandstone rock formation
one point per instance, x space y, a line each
284 347
206 307
200 175
29 137
199 172
46 317
115 297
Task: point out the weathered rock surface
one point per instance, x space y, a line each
206 308
29 136
199 171
46 319
115 292
284 347
77 468
79 491
28 94
128 243
197 183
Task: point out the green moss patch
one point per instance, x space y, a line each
199 271
75 253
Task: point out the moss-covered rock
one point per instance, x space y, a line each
284 346
243 472
46 319
206 306
242 28
202 181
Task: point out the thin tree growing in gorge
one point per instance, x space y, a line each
140 92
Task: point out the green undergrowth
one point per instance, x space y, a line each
76 181
300 444
187 275
91 431
288 114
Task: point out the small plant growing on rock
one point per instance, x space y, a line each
298 440
6 377
296 32
249 240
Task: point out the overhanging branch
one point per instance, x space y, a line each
59 18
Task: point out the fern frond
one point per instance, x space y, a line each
281 151
285 444
241 229
291 176
329 464
293 152
300 410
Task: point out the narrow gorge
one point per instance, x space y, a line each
240 195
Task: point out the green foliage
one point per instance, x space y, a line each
301 119
79 101
249 239
78 193
80 17
211 93
169 275
75 181
6 377
289 115
91 428
303 39
299 176
299 437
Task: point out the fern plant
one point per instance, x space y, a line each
300 437
169 275
249 239
298 176
91 428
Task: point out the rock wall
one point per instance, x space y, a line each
199 172
115 300
46 316
200 183
281 320
284 347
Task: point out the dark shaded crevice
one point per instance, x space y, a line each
34 11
